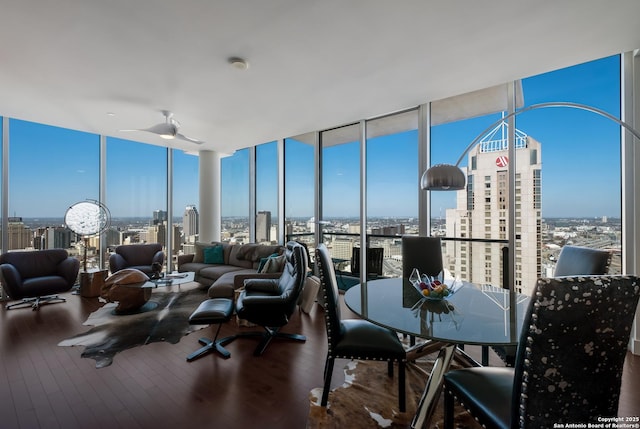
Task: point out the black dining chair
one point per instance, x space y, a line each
423 253
375 260
572 261
355 338
568 367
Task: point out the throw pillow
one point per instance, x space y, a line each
264 261
274 264
214 255
199 251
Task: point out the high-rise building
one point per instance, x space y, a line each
483 207
56 238
159 216
263 227
20 236
190 221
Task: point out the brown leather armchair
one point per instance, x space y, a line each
138 256
35 277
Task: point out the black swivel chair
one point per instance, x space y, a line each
572 261
568 367
35 277
355 338
143 257
270 303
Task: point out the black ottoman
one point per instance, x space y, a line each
214 311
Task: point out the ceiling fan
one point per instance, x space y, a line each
169 129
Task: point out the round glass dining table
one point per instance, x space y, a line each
472 314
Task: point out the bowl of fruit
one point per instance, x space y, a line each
430 288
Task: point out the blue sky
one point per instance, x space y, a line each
580 150
580 153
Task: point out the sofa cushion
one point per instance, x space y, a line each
198 256
214 255
242 263
214 272
254 252
264 261
274 264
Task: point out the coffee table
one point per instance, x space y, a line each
134 298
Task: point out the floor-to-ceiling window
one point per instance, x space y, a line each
185 199
392 191
299 189
580 184
234 208
136 192
267 193
50 168
341 192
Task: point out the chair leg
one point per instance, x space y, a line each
328 371
448 409
402 395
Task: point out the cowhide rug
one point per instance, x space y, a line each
369 399
111 333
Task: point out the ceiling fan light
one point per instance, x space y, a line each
168 136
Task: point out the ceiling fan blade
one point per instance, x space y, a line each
189 139
163 129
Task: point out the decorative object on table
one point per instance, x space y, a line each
431 288
156 268
87 218
35 277
367 399
111 334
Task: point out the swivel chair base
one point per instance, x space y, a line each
212 311
36 302
215 345
268 335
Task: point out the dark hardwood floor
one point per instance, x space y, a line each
43 385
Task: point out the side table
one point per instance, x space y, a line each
91 282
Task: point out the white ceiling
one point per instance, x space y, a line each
313 64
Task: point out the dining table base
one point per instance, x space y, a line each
433 389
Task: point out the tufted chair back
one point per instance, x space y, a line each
331 294
570 356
